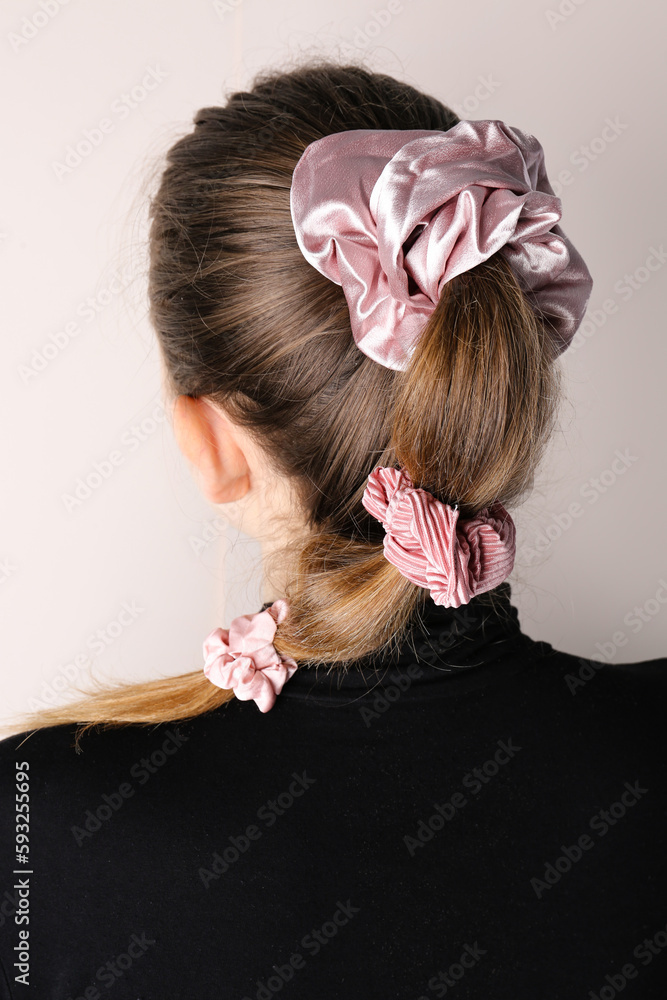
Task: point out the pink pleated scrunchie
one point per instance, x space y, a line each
243 657
392 215
455 559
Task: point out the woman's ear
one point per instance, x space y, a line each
208 440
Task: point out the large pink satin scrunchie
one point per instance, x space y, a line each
392 215
243 657
455 561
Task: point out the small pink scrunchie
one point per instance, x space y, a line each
456 561
243 657
392 215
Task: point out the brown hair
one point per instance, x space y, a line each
240 315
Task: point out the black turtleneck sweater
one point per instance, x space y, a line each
482 817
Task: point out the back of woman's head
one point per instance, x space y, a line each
246 321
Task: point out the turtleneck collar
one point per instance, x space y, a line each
445 649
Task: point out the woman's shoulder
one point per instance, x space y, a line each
643 679
52 751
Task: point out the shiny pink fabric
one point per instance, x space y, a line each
243 657
392 215
455 559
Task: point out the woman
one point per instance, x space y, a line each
378 785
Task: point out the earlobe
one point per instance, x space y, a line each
206 438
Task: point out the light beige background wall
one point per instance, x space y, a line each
128 581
